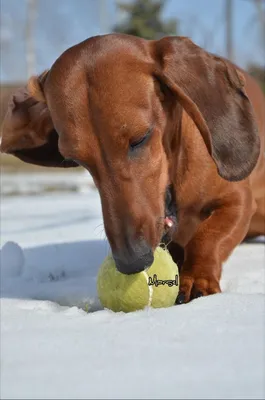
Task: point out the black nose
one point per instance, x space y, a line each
134 265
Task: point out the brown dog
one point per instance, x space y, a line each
170 135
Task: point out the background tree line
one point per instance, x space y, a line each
143 18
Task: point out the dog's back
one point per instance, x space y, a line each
257 177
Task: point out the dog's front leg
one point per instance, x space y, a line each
211 245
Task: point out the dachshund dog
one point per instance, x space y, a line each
173 137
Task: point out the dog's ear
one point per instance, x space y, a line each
212 92
28 132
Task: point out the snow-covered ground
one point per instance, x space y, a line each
51 248
34 183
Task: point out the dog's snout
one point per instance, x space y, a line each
134 263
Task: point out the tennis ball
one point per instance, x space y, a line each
157 286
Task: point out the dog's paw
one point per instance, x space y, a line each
194 286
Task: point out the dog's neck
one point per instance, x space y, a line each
189 158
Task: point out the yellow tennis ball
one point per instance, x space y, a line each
156 287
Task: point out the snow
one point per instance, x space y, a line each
14 260
57 342
22 183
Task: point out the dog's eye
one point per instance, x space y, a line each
138 143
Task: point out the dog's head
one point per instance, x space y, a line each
115 105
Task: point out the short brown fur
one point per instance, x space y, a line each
207 124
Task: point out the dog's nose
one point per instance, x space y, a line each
134 265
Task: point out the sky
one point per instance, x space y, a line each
63 23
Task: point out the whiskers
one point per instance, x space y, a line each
165 245
160 222
64 162
102 231
104 238
166 235
67 162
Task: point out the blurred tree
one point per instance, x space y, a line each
144 20
30 37
260 9
257 21
258 73
229 7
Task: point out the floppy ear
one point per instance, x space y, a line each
28 132
212 92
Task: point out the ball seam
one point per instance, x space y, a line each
150 289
